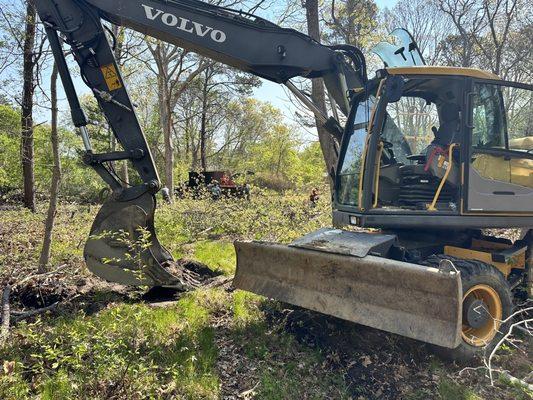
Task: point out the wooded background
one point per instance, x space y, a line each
200 115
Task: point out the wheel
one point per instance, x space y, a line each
487 300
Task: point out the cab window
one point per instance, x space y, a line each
351 164
502 133
408 126
488 115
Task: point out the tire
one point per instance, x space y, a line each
480 282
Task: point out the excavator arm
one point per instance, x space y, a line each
237 39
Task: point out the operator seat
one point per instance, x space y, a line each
445 135
421 180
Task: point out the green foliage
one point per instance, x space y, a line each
520 392
120 352
311 169
267 216
10 167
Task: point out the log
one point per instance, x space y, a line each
6 315
32 313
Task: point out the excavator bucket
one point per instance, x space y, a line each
347 282
123 247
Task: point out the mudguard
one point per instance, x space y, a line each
419 302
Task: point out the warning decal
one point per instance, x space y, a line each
111 77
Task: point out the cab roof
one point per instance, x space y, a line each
437 70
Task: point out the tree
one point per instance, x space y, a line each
327 142
56 178
27 151
172 65
494 35
352 22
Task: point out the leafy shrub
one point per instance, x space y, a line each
279 183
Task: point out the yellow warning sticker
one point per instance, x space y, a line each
111 77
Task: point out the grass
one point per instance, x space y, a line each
219 255
124 350
130 350
136 351
450 390
518 391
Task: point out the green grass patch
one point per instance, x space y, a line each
285 364
519 392
218 255
450 390
123 351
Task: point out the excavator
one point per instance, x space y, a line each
433 161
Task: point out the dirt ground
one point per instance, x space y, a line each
374 364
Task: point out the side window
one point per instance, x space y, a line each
519 109
488 116
351 165
502 135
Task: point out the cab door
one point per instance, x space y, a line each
499 174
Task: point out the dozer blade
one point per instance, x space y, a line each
407 299
123 246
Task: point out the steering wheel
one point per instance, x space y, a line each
417 157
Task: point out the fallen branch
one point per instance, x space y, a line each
6 315
217 282
517 381
30 277
488 360
163 304
249 392
19 316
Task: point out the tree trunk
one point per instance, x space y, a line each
56 179
169 147
318 95
203 127
27 151
166 125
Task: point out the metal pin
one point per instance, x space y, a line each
84 133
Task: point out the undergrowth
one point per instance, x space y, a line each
113 347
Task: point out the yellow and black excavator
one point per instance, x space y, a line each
431 158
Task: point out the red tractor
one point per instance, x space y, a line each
217 184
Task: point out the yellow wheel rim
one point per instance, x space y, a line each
483 335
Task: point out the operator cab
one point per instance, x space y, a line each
436 141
